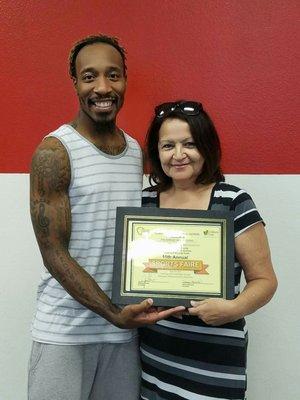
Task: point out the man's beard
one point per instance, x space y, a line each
106 126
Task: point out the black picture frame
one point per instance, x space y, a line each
219 235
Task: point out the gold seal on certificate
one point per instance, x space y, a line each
173 256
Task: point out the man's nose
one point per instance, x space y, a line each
102 85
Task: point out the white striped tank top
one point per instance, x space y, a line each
99 183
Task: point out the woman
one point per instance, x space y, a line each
202 355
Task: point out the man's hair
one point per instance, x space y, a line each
206 140
92 39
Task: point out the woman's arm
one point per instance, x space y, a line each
253 253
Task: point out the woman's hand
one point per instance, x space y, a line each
214 311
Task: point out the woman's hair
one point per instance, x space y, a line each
206 140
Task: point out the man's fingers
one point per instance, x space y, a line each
167 313
144 306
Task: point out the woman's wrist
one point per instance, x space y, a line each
238 309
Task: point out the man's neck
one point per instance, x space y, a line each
89 129
105 135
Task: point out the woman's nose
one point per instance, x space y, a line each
179 152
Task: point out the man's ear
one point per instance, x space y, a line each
74 81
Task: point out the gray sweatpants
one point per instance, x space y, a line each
109 371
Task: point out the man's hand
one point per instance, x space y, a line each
136 315
214 311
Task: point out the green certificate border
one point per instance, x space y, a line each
172 255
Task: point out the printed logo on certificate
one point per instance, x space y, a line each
172 255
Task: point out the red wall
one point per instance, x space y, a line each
238 57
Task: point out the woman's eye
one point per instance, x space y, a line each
190 145
167 146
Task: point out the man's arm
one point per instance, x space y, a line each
51 219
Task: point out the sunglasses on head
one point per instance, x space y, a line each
186 107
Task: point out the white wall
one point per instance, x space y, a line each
274 331
19 274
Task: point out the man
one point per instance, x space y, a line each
84 347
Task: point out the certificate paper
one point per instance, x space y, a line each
173 256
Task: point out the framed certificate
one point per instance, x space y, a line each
172 255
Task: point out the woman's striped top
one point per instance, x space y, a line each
186 358
99 183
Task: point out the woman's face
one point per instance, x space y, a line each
180 159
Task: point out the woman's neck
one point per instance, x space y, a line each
196 196
187 187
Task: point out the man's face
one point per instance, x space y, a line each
100 82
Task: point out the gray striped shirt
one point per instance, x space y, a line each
99 183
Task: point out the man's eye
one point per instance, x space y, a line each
88 77
114 76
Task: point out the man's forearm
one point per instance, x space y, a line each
79 284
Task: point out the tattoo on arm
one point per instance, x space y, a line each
43 220
49 180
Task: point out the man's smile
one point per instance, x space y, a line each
101 104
